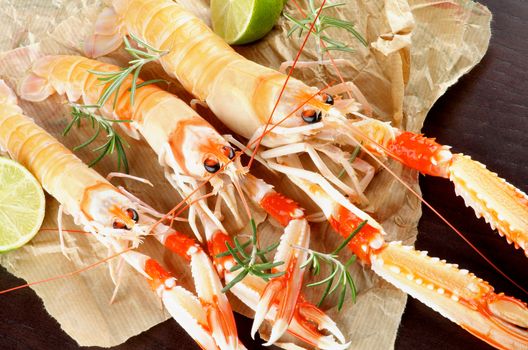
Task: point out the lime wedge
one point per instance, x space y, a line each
22 205
244 21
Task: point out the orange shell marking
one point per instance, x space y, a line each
217 245
85 201
418 152
177 138
157 272
345 222
281 208
179 244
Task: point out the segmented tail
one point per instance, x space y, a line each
35 87
107 35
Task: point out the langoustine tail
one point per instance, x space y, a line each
7 95
35 86
107 35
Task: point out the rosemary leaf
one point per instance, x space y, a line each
349 238
350 261
326 291
323 281
103 73
352 286
267 266
134 86
338 270
316 267
308 261
323 23
235 280
149 82
353 157
341 300
69 126
269 248
91 139
255 263
113 82
236 268
275 275
337 284
240 248
144 44
234 254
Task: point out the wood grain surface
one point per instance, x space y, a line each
484 115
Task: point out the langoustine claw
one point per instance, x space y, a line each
502 205
455 293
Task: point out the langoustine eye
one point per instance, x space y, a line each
328 99
119 225
229 152
211 165
133 214
311 116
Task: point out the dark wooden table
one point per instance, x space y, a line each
484 115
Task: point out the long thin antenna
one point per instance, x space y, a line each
69 231
69 274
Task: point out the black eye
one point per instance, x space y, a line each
211 165
133 214
312 116
119 225
328 99
229 152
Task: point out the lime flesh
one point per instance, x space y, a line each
22 205
244 21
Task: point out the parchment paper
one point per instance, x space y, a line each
418 48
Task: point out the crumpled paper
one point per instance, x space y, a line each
418 48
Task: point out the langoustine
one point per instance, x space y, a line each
457 294
119 222
190 149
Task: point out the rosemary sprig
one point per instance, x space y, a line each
338 271
114 80
254 263
353 157
113 143
323 23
